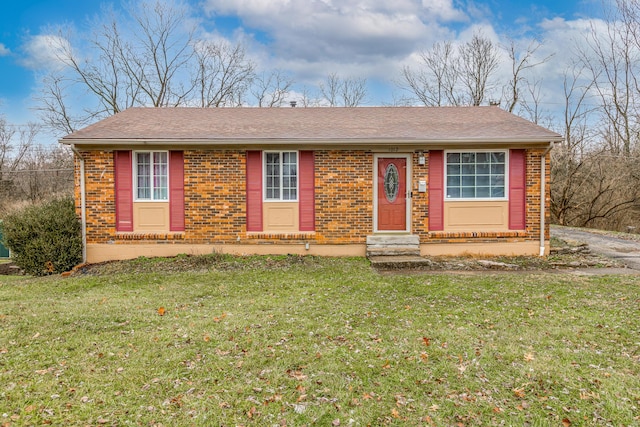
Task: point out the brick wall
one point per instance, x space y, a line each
533 193
344 196
215 200
214 191
99 194
420 201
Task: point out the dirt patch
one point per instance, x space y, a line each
9 269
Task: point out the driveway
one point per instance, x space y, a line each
623 250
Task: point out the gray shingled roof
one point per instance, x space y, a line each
280 125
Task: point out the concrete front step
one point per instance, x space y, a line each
393 251
398 262
393 240
393 245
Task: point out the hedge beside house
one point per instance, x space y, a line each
45 238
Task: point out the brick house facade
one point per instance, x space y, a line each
213 191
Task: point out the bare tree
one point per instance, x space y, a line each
479 61
148 57
44 171
521 62
330 89
52 106
613 60
15 143
435 83
569 160
307 98
271 90
139 61
592 185
346 92
449 76
222 75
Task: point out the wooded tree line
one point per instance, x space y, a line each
151 56
30 172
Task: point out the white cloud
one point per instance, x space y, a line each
357 38
4 51
45 51
344 30
443 10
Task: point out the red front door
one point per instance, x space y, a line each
392 194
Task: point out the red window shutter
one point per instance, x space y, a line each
436 190
176 191
254 191
307 203
517 190
123 172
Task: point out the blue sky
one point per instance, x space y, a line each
307 38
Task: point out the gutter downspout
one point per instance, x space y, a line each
543 178
83 204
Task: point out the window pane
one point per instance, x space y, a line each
497 181
289 174
160 190
468 158
483 180
497 169
483 192
468 192
143 173
453 157
468 181
453 169
453 181
483 169
497 192
468 169
273 175
483 157
497 157
453 192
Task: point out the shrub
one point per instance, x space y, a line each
44 238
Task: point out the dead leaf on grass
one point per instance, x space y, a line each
219 318
298 375
161 311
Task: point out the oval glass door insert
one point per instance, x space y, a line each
391 182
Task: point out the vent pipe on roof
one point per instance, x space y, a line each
292 103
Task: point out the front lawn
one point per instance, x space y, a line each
319 341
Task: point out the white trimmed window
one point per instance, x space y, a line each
151 170
281 175
475 175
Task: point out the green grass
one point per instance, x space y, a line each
316 342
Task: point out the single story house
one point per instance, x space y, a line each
322 181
